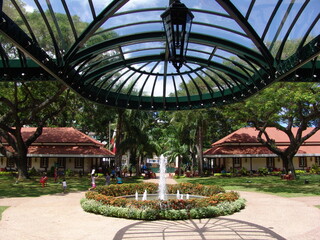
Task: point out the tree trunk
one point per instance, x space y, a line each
292 169
20 156
193 163
179 166
199 147
21 163
288 165
118 154
138 166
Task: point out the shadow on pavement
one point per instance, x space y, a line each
202 229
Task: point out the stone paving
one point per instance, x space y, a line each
60 216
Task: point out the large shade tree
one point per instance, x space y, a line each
33 103
289 107
26 104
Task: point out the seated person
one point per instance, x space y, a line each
119 180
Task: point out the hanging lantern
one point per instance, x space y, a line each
177 21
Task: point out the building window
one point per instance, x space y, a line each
44 162
78 162
2 160
270 162
237 162
317 161
61 163
10 163
302 161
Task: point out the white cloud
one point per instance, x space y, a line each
29 8
135 4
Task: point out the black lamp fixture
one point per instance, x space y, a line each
177 21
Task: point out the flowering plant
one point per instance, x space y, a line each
109 195
107 201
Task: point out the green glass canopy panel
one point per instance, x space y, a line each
114 52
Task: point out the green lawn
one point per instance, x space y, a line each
2 208
32 187
268 184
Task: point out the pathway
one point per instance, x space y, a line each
60 216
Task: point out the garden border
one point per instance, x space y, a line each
105 201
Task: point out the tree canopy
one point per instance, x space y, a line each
283 106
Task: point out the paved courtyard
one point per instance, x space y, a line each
60 216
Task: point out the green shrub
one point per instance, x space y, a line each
176 204
222 174
7 173
174 214
69 173
315 169
263 171
243 171
149 214
276 173
221 209
300 171
117 190
217 203
33 172
195 189
91 206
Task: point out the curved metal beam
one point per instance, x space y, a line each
248 29
113 7
158 36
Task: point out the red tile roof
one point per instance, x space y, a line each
60 135
244 142
64 141
256 150
69 150
249 135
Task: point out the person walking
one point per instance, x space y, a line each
64 185
44 180
93 182
108 178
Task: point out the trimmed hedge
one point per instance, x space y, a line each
117 190
222 209
106 201
175 204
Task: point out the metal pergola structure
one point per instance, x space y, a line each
114 52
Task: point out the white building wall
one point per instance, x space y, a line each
258 163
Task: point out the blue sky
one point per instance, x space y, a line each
258 19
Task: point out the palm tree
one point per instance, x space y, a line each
176 151
135 136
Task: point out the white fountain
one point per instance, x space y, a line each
137 196
178 194
162 189
162 180
144 197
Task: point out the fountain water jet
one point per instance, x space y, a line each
137 196
162 180
178 194
162 189
144 197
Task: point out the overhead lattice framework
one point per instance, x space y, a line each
114 52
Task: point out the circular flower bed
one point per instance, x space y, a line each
106 201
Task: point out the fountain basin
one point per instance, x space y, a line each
204 202
156 197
